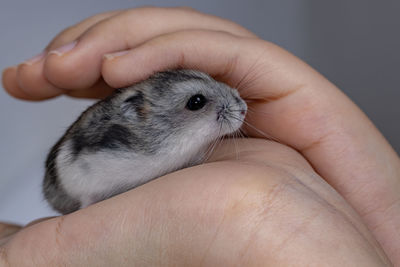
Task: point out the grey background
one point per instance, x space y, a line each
354 43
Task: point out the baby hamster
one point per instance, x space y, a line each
139 133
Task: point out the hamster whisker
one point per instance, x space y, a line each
212 146
246 79
256 112
241 134
234 140
265 135
211 149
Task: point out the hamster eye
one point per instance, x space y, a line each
196 102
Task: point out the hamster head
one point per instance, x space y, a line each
182 106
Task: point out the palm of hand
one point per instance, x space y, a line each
255 202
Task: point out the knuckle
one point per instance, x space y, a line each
66 72
32 83
62 38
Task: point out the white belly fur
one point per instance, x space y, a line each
95 176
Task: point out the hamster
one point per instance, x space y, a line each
137 134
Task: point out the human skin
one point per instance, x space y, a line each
321 197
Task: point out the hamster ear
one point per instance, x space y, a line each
133 104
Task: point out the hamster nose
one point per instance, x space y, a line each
243 112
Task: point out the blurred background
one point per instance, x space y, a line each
355 44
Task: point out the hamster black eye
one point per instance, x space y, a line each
196 102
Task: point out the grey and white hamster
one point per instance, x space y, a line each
139 133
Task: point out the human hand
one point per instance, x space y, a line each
43 77
289 101
256 203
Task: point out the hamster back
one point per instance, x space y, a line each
139 133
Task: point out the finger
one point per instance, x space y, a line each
32 82
98 90
7 232
29 83
10 84
73 32
307 112
7 229
79 66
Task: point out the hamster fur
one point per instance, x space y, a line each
139 133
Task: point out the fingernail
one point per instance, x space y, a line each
63 49
35 59
116 54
